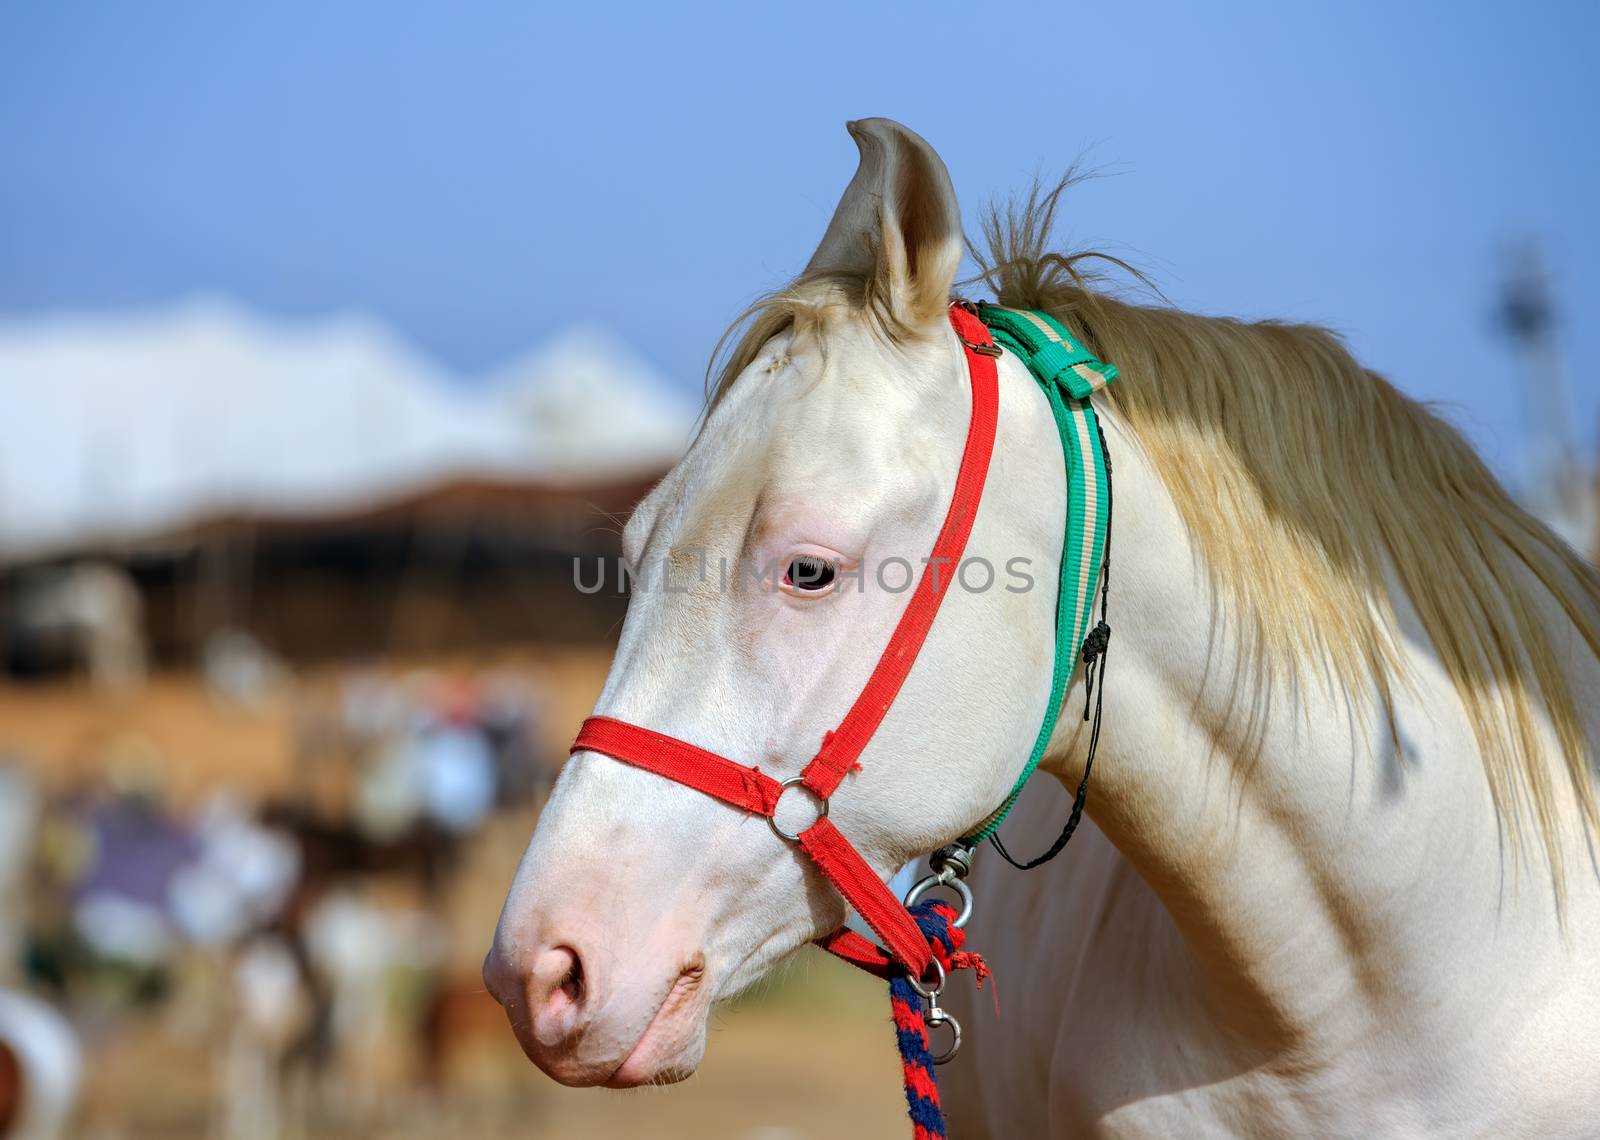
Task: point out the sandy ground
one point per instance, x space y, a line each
813 1058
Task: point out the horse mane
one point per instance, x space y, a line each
1307 481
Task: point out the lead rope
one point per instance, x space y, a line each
915 1008
1094 689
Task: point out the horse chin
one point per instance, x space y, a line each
644 1066
672 1045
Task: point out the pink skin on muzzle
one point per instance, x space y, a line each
575 1013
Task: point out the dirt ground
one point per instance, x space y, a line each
811 1058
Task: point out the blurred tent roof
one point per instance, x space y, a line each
116 427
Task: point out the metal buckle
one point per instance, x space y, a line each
993 350
772 820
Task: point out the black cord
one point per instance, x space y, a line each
1094 663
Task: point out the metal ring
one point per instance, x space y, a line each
925 991
956 885
936 1018
772 820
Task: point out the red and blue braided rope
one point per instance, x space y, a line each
933 919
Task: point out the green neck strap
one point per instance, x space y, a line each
1069 374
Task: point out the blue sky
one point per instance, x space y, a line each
483 174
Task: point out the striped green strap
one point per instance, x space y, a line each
1069 374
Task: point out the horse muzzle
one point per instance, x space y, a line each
586 1016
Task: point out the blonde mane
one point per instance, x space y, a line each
1307 482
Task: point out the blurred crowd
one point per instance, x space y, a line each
302 940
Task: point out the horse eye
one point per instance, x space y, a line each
809 573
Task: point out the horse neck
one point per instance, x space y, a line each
1316 874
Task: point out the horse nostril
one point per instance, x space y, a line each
572 984
559 975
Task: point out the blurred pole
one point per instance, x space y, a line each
1555 486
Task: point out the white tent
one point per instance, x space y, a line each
116 426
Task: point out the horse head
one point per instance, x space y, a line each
771 567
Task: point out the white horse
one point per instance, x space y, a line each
41 1061
43 1066
1340 879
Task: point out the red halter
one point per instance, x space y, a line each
758 793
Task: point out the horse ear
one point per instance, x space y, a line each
898 223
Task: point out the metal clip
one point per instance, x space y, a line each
950 866
936 1017
954 860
